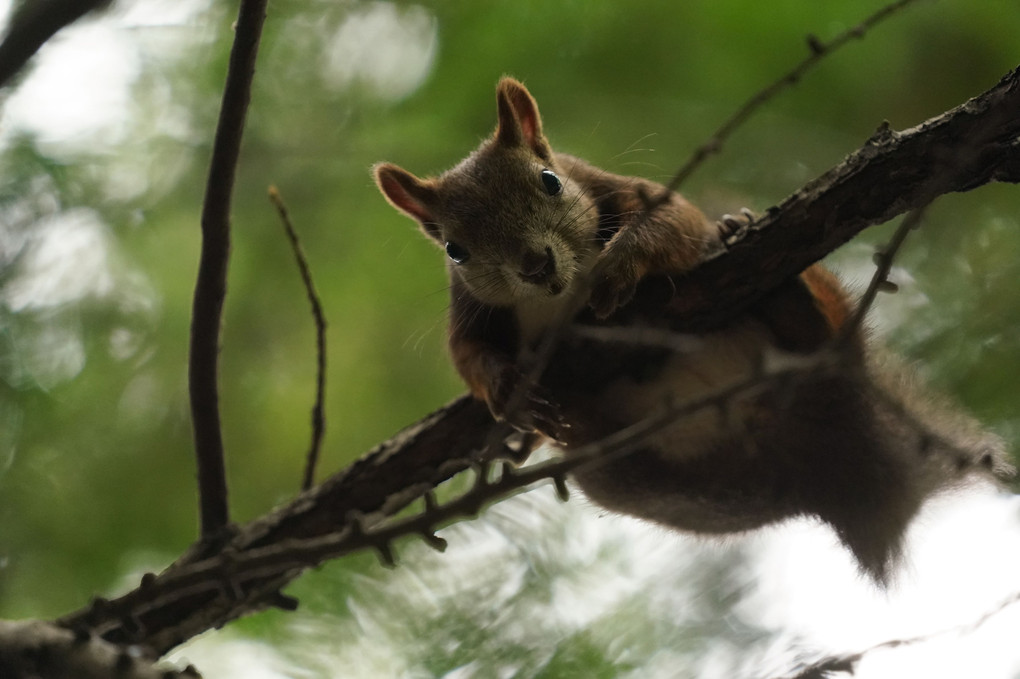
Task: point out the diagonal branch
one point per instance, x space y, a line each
40 650
211 286
969 146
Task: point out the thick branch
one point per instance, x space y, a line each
384 480
893 173
211 286
33 648
35 23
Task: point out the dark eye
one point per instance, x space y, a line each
455 252
551 183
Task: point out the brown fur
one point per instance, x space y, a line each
846 446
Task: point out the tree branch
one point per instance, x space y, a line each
894 172
33 648
211 286
384 480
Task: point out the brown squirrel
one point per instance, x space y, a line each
533 236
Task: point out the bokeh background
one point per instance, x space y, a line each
104 146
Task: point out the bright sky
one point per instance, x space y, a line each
78 94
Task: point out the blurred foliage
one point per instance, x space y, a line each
96 476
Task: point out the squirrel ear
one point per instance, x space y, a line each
410 195
519 122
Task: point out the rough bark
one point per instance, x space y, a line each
34 648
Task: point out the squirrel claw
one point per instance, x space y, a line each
732 227
534 411
616 282
608 296
543 416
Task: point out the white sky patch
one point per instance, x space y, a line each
71 257
68 260
45 355
232 658
79 89
159 12
384 47
77 95
963 554
6 7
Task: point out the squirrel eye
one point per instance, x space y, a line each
455 252
551 183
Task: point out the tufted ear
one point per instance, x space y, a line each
412 196
519 123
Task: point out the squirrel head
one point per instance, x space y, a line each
515 226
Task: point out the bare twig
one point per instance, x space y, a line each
211 286
818 51
318 417
34 23
892 398
880 279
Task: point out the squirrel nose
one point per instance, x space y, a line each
537 267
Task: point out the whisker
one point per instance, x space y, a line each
632 148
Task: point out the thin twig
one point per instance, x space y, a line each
211 286
818 50
318 417
880 279
884 260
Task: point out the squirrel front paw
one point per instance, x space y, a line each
614 284
732 227
525 407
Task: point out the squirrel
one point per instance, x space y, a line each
534 236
